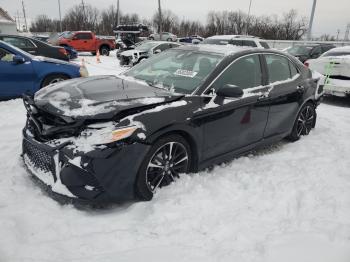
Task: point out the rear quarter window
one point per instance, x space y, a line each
249 43
264 45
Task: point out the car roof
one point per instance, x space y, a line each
158 42
230 37
218 49
341 49
314 44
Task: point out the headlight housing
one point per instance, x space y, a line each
107 136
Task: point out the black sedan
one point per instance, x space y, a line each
106 139
309 51
36 47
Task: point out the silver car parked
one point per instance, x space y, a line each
164 36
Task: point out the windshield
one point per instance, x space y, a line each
146 46
176 70
300 50
209 41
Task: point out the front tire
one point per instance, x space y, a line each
305 121
168 157
52 79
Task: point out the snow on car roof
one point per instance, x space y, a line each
221 49
341 49
229 37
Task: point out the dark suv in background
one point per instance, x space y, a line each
309 51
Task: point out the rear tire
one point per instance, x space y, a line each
52 79
104 50
168 157
306 120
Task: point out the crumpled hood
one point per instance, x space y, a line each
99 97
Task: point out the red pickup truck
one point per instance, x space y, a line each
86 41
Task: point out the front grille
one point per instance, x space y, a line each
125 60
40 158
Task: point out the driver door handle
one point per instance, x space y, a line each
300 88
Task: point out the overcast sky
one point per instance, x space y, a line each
331 15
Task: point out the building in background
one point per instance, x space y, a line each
7 24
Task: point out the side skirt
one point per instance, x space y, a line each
242 151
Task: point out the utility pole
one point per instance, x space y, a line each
346 37
118 13
25 17
83 6
18 21
160 20
338 32
59 10
248 18
309 32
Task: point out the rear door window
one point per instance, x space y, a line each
249 43
236 42
293 70
19 42
83 36
278 68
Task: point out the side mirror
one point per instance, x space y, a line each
230 91
17 59
75 38
157 51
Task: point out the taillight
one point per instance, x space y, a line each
306 64
63 51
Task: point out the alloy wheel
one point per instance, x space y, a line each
305 121
56 80
170 160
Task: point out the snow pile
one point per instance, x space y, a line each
289 202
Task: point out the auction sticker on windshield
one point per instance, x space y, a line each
185 73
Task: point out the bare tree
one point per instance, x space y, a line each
287 27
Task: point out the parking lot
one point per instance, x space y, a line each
282 203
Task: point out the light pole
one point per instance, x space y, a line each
59 10
309 32
160 20
248 17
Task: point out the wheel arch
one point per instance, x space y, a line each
187 135
52 74
104 45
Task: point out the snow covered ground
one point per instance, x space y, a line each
289 202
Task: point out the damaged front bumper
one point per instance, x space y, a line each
101 176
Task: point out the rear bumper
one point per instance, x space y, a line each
97 177
337 87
